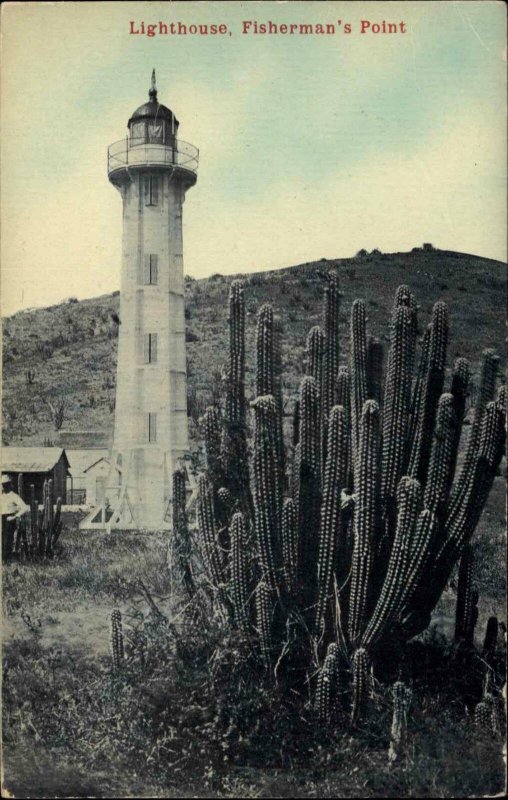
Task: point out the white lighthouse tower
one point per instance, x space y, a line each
152 170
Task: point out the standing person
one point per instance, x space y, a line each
13 508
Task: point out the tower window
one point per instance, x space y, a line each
151 190
151 269
150 348
152 426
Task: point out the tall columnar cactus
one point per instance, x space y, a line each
267 491
117 649
409 497
375 355
483 716
396 403
207 523
358 370
309 491
265 604
332 351
443 456
34 524
486 393
344 400
239 581
330 533
49 523
490 640
425 405
265 377
212 430
402 695
234 444
268 348
180 548
316 344
360 683
289 544
21 544
466 610
365 519
326 685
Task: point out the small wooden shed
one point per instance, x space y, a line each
37 465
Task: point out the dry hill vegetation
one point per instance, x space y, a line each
67 352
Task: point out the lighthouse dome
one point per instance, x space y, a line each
153 114
152 110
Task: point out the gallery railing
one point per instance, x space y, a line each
132 152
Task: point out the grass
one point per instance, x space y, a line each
75 727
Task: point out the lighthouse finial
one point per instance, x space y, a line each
153 90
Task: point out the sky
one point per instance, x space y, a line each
311 146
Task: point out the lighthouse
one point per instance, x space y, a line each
152 169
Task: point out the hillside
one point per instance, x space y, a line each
67 352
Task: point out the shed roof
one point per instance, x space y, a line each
32 459
83 459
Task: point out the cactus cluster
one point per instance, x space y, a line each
38 531
341 557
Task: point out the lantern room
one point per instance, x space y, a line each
152 123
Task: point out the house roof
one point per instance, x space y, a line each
32 459
84 459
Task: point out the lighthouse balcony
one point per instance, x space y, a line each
129 154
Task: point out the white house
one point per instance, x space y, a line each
88 474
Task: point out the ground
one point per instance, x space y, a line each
57 679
